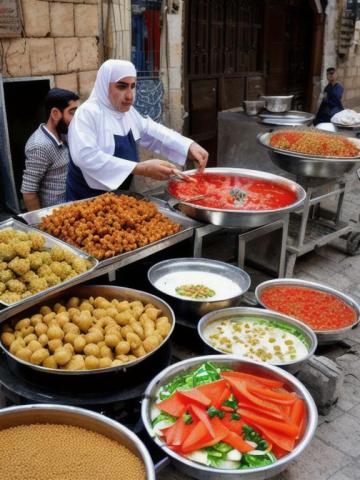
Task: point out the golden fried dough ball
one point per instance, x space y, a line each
22 249
3 266
62 356
26 277
50 362
37 240
38 284
44 270
6 275
35 260
2 287
7 235
7 338
7 252
10 297
57 253
19 265
77 362
16 286
46 257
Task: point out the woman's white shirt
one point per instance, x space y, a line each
92 145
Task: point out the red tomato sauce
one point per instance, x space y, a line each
260 194
320 310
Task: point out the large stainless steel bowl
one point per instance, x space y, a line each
85 291
244 219
323 336
307 165
187 307
78 417
202 472
278 103
248 312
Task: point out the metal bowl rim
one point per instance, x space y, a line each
315 286
194 260
263 140
58 371
271 177
232 311
282 462
146 458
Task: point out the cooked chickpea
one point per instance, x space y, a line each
70 337
55 332
91 349
152 313
62 356
57 307
7 338
69 347
62 318
24 353
85 321
39 356
71 328
122 348
54 344
111 312
117 363
34 345
125 330
91 362
79 344
99 313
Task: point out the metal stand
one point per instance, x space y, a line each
314 226
246 236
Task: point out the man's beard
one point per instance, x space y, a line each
61 127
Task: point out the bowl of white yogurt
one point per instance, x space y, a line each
197 286
259 335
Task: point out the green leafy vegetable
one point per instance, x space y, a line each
163 417
251 461
235 416
253 436
231 402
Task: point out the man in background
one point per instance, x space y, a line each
47 153
331 102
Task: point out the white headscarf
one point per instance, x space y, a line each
109 72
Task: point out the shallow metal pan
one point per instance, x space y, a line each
50 242
107 291
324 336
291 118
247 312
245 219
203 472
307 165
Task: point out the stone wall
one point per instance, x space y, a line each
61 39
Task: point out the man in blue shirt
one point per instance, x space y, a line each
331 102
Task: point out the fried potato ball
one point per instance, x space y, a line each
19 265
37 240
23 249
16 286
7 252
10 297
35 260
2 287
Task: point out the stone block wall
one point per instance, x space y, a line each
61 39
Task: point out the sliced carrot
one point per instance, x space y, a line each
173 406
269 413
178 432
222 398
203 417
207 441
240 390
297 412
284 442
253 378
231 424
267 393
278 451
194 395
286 428
213 390
237 442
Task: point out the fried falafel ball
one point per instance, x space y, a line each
26 294
10 297
6 275
16 286
3 266
79 265
44 270
46 258
52 279
21 236
7 252
38 241
2 287
57 253
38 285
35 260
20 265
28 276
23 249
7 235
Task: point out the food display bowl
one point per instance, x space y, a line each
278 103
131 369
243 219
254 313
308 165
253 107
78 417
203 472
323 336
188 307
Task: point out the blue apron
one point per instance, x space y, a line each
76 186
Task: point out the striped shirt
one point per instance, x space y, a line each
46 165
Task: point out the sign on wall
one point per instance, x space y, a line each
10 18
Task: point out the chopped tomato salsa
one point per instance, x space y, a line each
233 192
320 310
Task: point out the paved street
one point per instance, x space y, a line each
334 453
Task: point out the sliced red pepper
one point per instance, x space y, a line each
194 395
297 415
207 440
231 424
284 442
269 413
277 397
285 428
198 436
253 378
203 417
213 391
173 406
237 442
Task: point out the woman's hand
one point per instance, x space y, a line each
199 155
154 168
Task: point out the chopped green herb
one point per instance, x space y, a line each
213 412
231 402
235 416
187 418
253 436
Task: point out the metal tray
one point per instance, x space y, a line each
242 218
307 165
290 118
187 226
107 291
324 336
50 242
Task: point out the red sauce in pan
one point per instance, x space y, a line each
219 192
320 310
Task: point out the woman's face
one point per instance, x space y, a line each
122 93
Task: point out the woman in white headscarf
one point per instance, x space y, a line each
104 132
